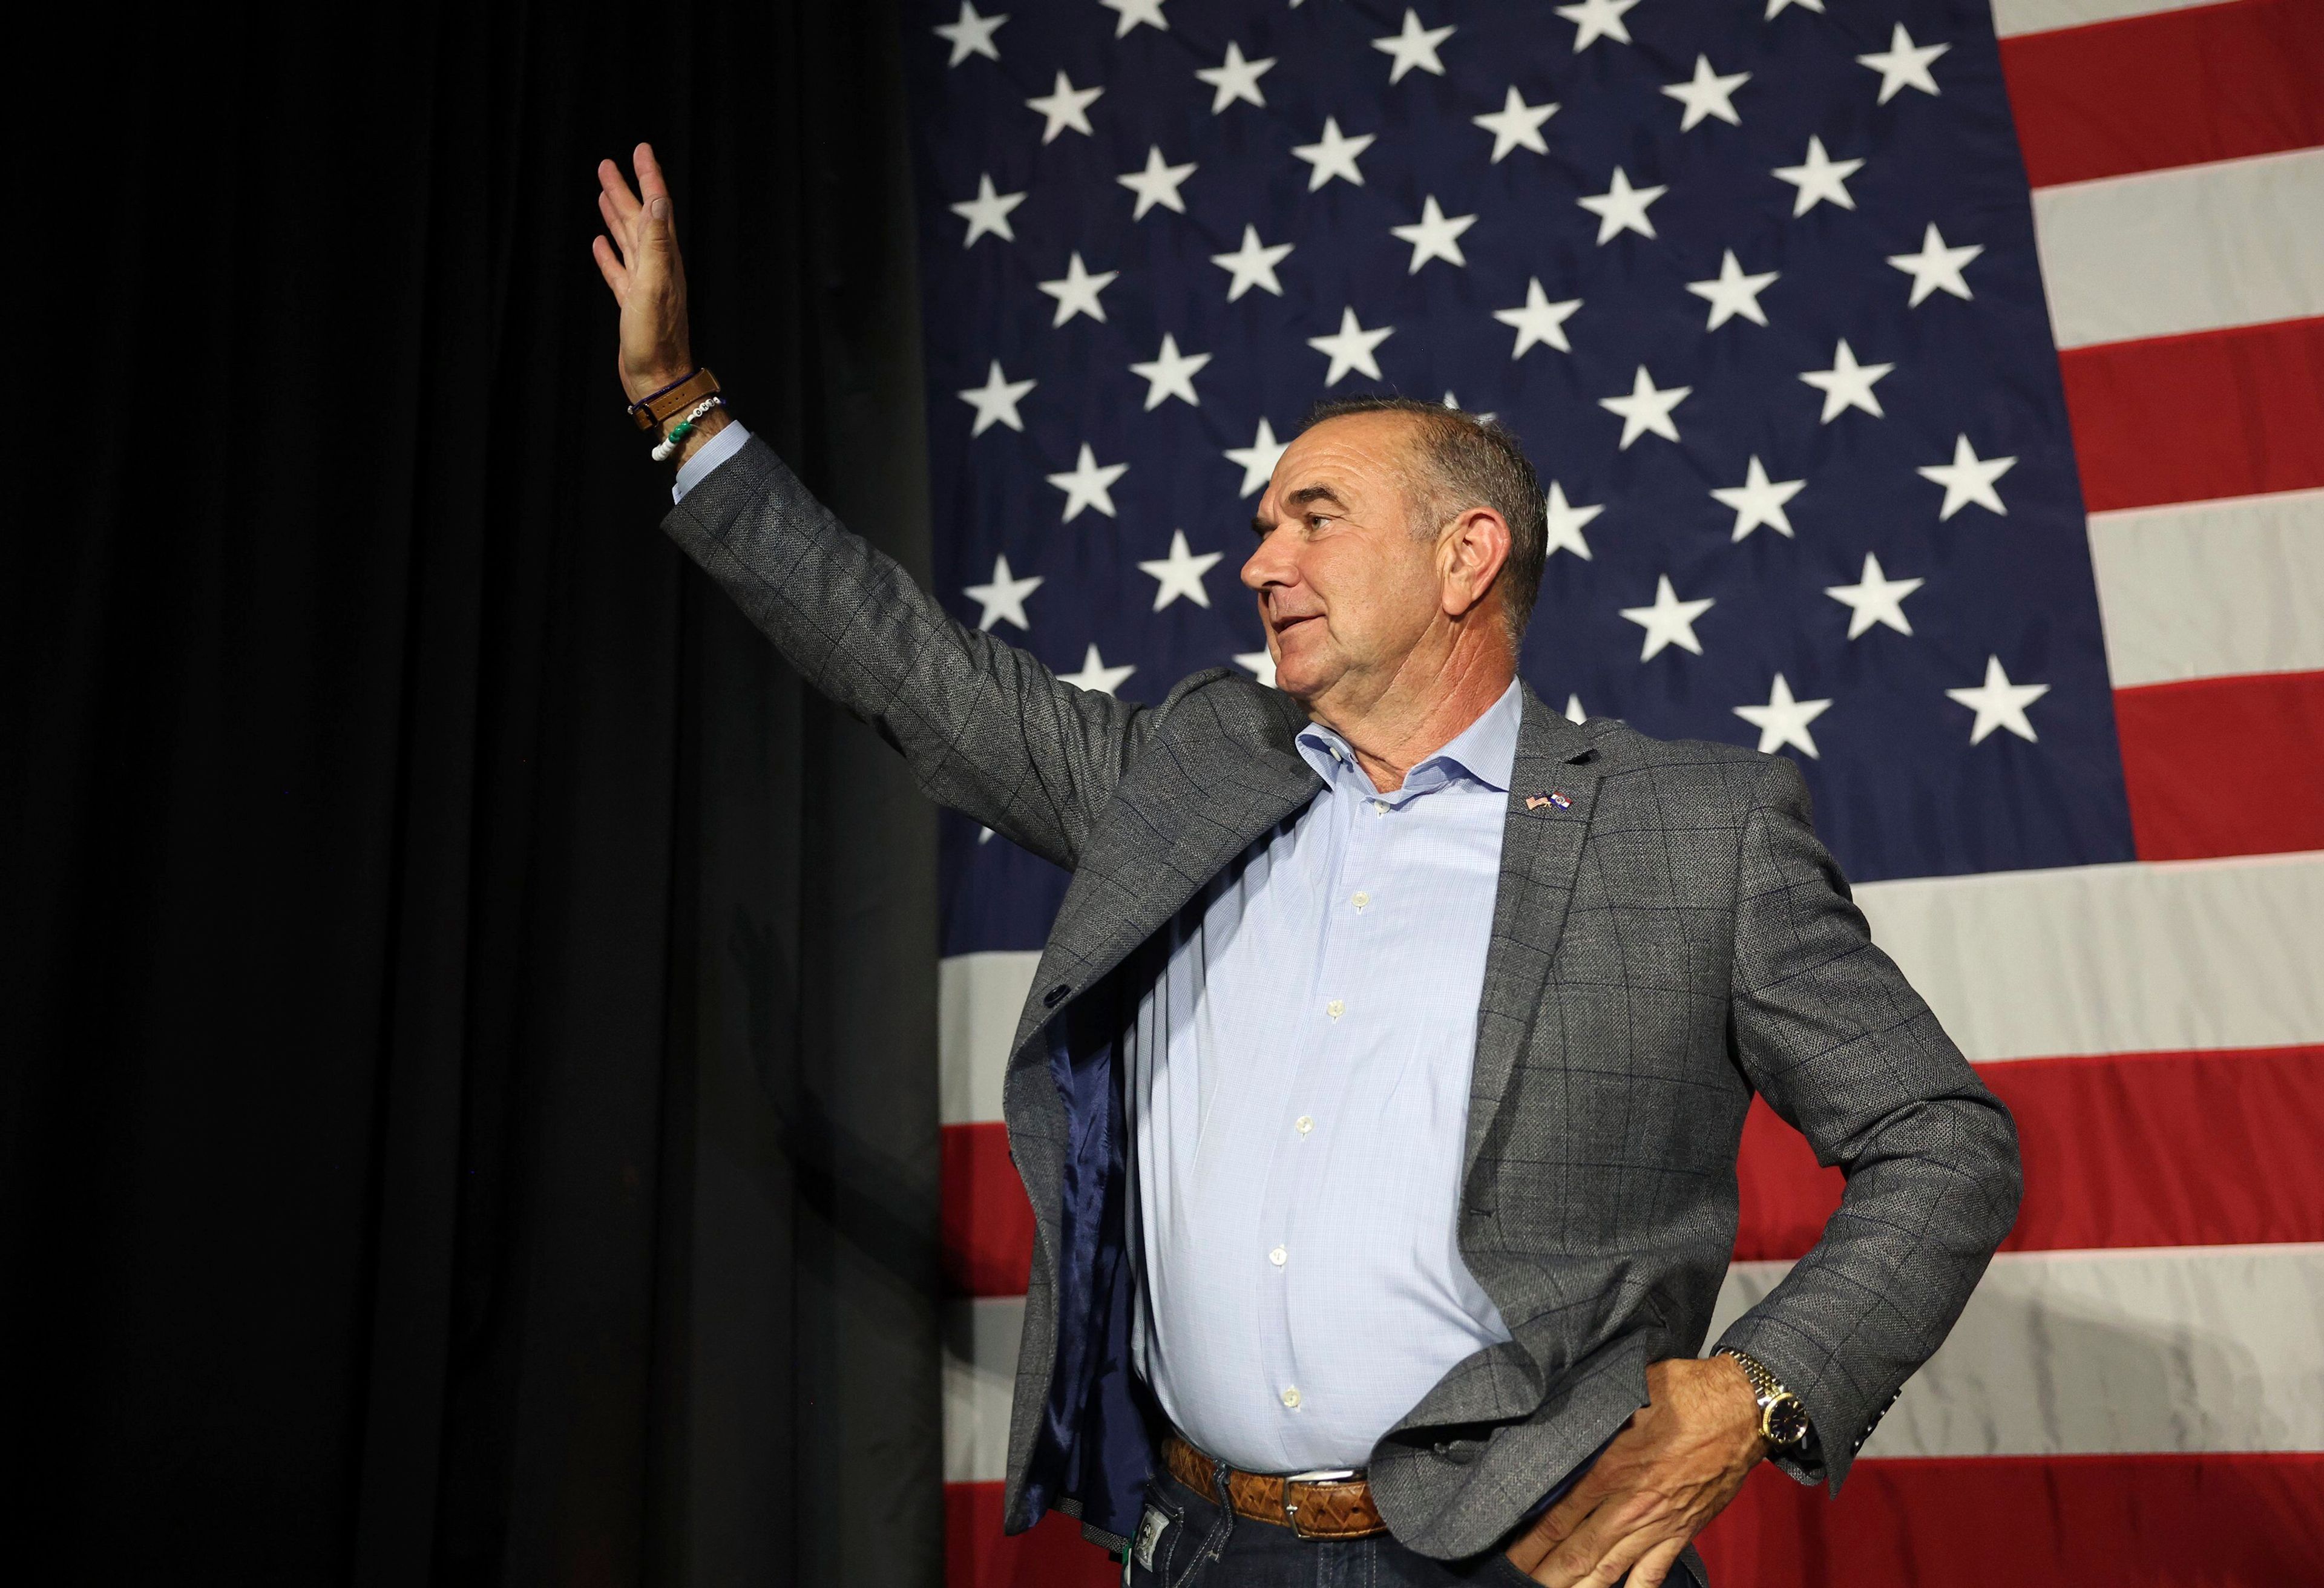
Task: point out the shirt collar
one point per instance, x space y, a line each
1486 750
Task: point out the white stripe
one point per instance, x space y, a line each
2102 1353
979 997
2133 958
2012 17
2205 589
2198 1348
2136 958
980 1374
2237 242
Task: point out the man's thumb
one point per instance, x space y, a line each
658 235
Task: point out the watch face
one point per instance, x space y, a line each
1786 1421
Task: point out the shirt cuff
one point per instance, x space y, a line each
714 451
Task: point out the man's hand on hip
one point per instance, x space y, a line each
1658 1483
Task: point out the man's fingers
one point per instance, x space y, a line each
1532 1548
656 232
651 185
1620 1530
614 189
1654 1567
1579 1502
1595 1559
620 231
609 267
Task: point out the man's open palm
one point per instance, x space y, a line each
638 256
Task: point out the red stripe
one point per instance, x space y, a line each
2175 87
2223 1520
1052 1555
2236 412
2224 766
2213 1519
2111 1160
988 1224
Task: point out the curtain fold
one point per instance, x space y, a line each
469 1105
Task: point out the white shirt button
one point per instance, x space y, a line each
1291 1396
1304 1123
1336 1007
1379 807
1360 899
1278 1256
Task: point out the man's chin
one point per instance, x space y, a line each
1301 681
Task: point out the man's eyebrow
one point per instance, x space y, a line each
1305 496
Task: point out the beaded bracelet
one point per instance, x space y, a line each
684 428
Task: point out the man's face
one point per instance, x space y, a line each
1346 587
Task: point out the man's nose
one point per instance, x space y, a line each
1269 564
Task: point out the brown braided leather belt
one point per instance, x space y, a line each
1334 1507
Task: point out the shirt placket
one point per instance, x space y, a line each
1332 1024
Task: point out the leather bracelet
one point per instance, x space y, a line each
662 391
650 413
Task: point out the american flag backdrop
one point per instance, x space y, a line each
1932 392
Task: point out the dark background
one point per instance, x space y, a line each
417 1160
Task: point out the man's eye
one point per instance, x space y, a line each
1316 521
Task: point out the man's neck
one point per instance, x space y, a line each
1406 726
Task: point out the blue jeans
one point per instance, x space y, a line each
1196 1542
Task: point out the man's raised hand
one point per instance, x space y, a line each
638 256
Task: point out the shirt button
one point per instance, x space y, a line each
1336 1007
1278 1256
1379 807
1360 899
1291 1396
1304 1123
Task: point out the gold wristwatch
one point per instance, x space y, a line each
1783 1420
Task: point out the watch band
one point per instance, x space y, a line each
650 413
1783 1420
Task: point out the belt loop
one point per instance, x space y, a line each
1215 1543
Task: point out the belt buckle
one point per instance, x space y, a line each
1291 1515
1291 1508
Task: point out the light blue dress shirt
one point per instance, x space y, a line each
1298 1092
714 451
1298 1100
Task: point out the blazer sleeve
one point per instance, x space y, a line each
986 728
1836 1042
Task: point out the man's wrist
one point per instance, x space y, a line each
1744 1397
707 426
636 387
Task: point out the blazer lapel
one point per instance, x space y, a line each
1187 808
1553 788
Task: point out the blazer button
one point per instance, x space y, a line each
1055 995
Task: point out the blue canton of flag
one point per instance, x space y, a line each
1753 281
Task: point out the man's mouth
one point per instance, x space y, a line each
1285 624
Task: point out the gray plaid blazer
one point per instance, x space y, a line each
1667 942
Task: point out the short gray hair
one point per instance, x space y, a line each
1462 462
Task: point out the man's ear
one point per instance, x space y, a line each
1470 555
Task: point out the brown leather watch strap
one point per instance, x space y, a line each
1336 1508
661 407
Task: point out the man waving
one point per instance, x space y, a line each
1379 1091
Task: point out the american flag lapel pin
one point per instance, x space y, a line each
1556 797
1535 801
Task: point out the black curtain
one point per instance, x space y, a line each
468 1112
